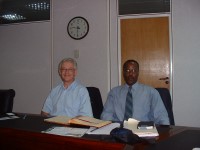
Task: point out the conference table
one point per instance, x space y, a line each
25 133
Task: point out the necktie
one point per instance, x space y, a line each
129 105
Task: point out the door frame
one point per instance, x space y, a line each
170 43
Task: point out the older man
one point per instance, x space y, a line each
69 98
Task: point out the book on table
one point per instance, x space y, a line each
79 120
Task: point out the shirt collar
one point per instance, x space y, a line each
134 86
72 85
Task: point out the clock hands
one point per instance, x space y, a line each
77 30
76 27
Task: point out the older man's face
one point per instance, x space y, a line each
67 72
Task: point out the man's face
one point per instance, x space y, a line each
67 72
131 73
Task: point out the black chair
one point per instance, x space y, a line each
6 100
166 98
96 101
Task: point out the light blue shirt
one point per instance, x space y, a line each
147 104
71 101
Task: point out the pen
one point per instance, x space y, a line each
94 129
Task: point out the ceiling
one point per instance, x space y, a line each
17 11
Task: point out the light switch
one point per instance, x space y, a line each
76 53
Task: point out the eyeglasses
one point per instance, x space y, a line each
71 70
130 71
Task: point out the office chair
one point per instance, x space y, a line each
166 98
6 100
96 101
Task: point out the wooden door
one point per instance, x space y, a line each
147 41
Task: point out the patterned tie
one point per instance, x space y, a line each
129 105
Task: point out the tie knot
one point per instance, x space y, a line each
129 89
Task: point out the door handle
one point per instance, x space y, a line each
166 78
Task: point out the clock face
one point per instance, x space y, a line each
78 28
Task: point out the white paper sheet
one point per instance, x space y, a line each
67 131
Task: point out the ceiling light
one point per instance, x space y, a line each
39 6
13 17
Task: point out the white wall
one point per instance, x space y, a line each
25 63
30 52
186 62
93 67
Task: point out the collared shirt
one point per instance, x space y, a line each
71 101
147 104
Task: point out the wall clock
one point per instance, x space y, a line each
78 28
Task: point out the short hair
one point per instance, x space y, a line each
71 60
130 61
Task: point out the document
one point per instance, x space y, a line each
105 130
132 124
66 131
80 120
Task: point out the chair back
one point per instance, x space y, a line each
96 101
6 100
166 98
